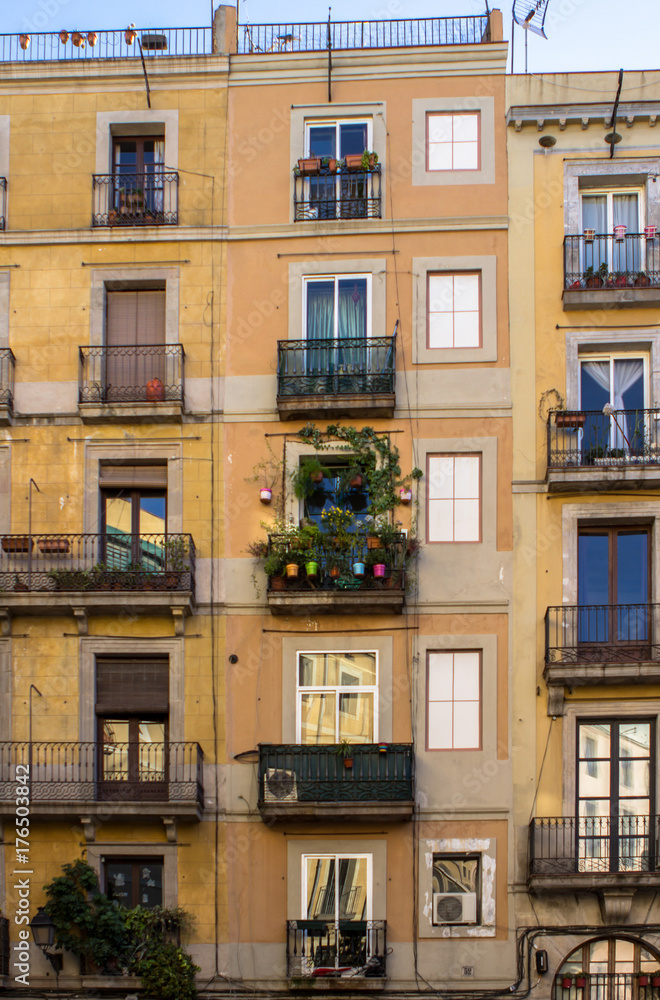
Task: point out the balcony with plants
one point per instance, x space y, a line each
95 572
137 381
341 782
148 198
348 553
618 269
603 449
328 189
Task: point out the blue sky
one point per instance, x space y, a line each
582 34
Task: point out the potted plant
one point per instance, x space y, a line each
603 273
274 568
366 160
345 751
309 165
155 390
581 980
130 34
329 164
352 477
592 278
655 979
650 232
92 36
78 39
312 563
16 543
643 979
265 473
405 494
642 280
358 568
64 36
176 560
568 420
24 41
307 476
567 982
619 233
50 546
376 558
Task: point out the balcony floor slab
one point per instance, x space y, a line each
338 812
588 479
95 413
370 602
349 405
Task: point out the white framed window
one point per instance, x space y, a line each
337 307
337 887
618 378
454 498
454 310
337 138
453 140
337 697
454 700
602 210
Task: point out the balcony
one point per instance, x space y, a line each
612 271
85 574
345 949
131 382
119 779
592 449
607 986
314 782
335 591
350 376
569 854
7 363
321 194
144 199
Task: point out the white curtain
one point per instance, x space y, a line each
626 373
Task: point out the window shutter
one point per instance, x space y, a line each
135 318
133 476
132 684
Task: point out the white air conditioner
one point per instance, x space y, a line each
280 785
454 907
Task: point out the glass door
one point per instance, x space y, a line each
133 757
334 141
336 323
613 593
617 384
134 524
601 213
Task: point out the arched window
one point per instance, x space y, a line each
608 969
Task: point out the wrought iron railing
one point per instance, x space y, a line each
358 947
379 773
343 194
609 633
129 772
115 44
347 366
151 373
111 561
149 198
336 569
322 35
593 438
7 364
607 986
3 202
587 845
4 946
606 260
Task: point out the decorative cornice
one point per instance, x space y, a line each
540 116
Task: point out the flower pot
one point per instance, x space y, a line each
358 569
77 39
643 980
130 35
405 495
316 477
335 572
619 232
581 981
589 235
312 568
356 481
379 569
642 281
354 161
329 164
53 545
16 543
348 763
64 37
567 982
265 494
655 980
382 748
92 38
594 281
277 583
570 420
309 165
155 390
650 232
292 570
24 41
373 542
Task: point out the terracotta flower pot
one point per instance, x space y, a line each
348 763
277 583
92 38
24 41
309 165
64 36
335 572
78 39
16 543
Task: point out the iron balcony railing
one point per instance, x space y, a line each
92 772
347 366
593 438
336 569
589 845
7 364
610 633
605 260
607 986
3 202
342 194
145 373
4 946
323 35
110 561
115 44
356 947
149 198
379 773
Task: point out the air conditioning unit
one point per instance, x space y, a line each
280 785
454 907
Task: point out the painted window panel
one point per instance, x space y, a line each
454 507
454 700
453 141
454 311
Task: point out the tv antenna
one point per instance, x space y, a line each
530 15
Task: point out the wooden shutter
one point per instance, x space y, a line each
129 685
152 477
135 318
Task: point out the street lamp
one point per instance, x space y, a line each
43 932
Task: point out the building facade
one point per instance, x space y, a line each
584 313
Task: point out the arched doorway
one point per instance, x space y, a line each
615 968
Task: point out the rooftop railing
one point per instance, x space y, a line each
116 44
92 772
319 36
